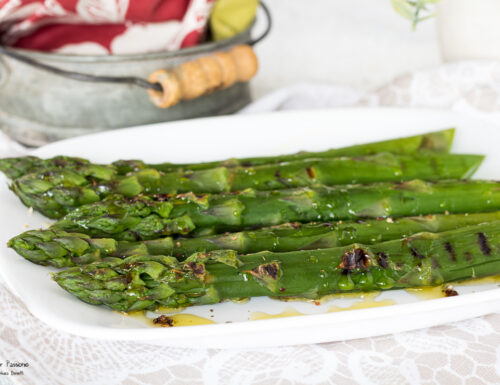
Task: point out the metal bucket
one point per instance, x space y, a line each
37 107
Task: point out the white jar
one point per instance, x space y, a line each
469 29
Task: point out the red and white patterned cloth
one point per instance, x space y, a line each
103 26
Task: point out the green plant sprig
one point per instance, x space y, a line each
414 10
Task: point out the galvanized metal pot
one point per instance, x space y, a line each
37 107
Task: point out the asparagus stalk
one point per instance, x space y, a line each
439 141
18 166
61 249
145 282
145 218
61 190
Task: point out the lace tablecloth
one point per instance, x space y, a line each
466 352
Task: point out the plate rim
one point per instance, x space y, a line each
267 325
263 115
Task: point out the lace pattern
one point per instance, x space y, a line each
463 353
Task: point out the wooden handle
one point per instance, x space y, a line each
193 79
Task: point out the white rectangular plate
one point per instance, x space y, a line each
239 136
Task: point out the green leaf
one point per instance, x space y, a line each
404 8
413 9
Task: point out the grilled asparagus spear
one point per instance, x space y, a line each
439 141
64 189
60 249
145 282
16 167
145 218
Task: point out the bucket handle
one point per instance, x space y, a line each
133 80
192 79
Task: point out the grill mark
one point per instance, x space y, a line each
449 291
468 256
483 244
450 251
198 269
382 260
271 270
59 162
161 197
355 259
263 271
311 173
415 253
164 321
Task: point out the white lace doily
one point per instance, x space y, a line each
465 353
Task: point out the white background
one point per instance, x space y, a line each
361 43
